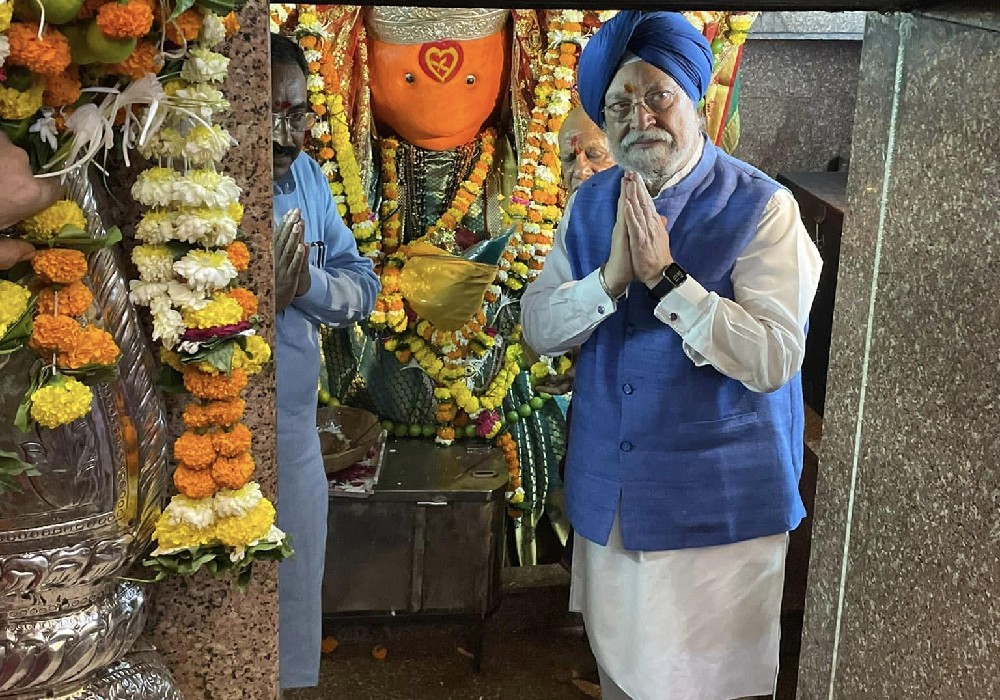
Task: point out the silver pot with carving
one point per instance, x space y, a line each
70 532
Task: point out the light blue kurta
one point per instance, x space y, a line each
343 291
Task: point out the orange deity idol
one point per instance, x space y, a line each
436 75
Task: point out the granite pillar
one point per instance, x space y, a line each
904 575
221 644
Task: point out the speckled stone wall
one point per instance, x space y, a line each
797 103
221 644
904 576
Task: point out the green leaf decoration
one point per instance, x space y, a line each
219 7
19 332
215 560
23 420
76 238
182 6
218 353
12 467
92 375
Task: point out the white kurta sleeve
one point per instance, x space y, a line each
558 312
757 338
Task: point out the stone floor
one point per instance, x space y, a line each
533 650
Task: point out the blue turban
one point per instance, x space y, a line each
663 39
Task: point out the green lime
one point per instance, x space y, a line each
56 11
470 431
524 409
387 425
544 396
536 402
106 49
416 430
718 43
324 397
400 431
513 417
428 431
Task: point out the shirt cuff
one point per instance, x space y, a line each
683 306
592 298
317 288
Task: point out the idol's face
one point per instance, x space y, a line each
652 125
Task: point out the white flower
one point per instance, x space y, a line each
205 145
551 137
154 262
314 83
563 73
213 31
165 143
155 187
320 128
156 227
196 513
168 326
501 276
236 504
204 66
212 228
572 16
182 296
313 56
203 100
4 48
143 293
204 188
206 270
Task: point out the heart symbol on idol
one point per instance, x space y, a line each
441 59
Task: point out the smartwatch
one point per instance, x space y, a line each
673 277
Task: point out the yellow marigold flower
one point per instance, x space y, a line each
196 484
233 472
48 222
254 357
207 386
233 442
92 346
60 402
49 55
171 535
236 212
60 265
194 451
240 532
13 301
6 13
219 413
223 310
54 333
16 105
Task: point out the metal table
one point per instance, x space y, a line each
426 543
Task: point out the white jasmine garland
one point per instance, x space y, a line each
204 66
196 513
313 56
236 504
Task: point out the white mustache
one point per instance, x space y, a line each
648 135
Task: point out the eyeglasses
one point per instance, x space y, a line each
655 101
295 123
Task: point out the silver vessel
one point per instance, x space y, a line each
69 621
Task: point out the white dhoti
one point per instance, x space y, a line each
690 624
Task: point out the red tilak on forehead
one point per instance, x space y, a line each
284 105
575 142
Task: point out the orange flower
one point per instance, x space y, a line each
74 300
446 433
54 333
233 442
239 255
125 20
197 415
185 27
63 89
246 299
49 55
143 60
232 24
194 451
214 386
326 153
60 265
320 110
233 473
194 483
92 346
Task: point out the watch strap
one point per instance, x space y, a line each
673 277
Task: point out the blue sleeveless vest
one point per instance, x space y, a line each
687 456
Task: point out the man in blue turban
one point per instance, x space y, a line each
685 278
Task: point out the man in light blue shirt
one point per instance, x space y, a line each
319 279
